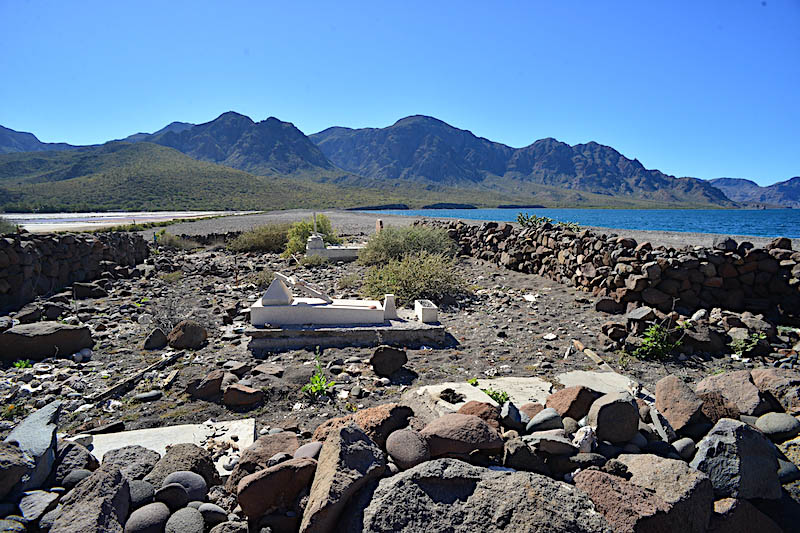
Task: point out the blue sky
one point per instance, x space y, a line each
703 89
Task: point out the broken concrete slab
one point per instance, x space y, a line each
157 439
520 391
605 382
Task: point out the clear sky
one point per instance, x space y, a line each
705 89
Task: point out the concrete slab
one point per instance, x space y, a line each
317 311
604 382
521 390
205 435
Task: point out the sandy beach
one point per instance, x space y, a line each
357 223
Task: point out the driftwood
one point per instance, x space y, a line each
126 385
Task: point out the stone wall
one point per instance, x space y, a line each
627 274
41 264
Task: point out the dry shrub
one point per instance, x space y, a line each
415 277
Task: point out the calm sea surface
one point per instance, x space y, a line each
760 223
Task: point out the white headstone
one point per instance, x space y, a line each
277 294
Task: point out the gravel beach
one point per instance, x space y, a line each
355 223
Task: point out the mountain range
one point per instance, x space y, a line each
416 160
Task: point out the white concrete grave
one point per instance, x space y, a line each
278 307
426 311
315 246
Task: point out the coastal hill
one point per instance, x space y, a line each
781 194
19 141
427 150
145 176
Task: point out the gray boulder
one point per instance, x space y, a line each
386 360
36 438
71 456
186 520
40 340
615 417
98 503
348 461
13 465
134 461
150 518
779 427
451 495
194 484
740 461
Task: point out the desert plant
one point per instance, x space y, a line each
22 363
12 411
261 279
299 233
6 226
415 277
743 347
171 277
397 242
473 381
271 238
349 281
534 221
657 342
500 396
168 240
318 385
309 261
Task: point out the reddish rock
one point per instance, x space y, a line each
740 516
573 402
460 434
238 395
737 387
627 507
677 402
531 409
276 487
781 384
377 422
208 387
716 406
187 334
688 492
256 456
486 411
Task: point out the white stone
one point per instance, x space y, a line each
313 311
277 294
389 307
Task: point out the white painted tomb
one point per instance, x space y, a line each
315 246
278 307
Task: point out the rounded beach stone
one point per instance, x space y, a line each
75 477
148 519
544 420
486 411
194 484
407 448
213 514
173 495
458 434
685 448
779 427
310 450
186 520
142 493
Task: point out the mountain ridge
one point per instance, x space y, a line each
780 194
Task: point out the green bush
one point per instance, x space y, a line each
6 226
415 277
299 233
261 279
657 342
500 396
396 242
271 238
318 385
168 240
309 261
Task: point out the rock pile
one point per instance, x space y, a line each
716 457
626 274
32 264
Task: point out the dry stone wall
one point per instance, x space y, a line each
39 264
627 274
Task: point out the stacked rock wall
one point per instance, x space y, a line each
732 276
41 264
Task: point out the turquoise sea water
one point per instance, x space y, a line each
756 222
